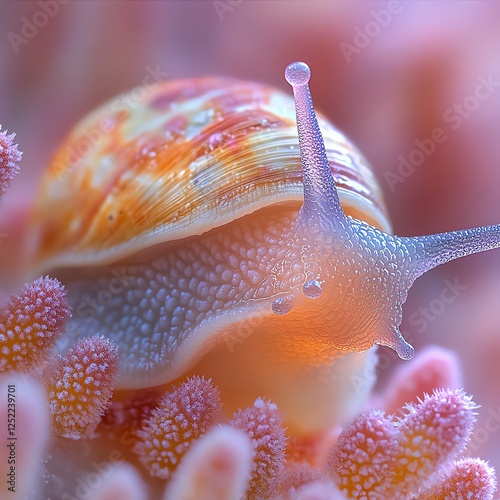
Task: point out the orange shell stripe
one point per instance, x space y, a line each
190 156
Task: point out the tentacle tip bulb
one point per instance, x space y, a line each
405 351
297 74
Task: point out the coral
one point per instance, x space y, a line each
432 368
364 455
217 467
80 385
379 457
31 323
10 156
466 479
295 476
263 424
317 490
184 414
432 433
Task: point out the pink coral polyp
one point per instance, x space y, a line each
263 423
379 457
184 414
31 323
80 386
10 156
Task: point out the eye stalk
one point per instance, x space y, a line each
321 199
367 272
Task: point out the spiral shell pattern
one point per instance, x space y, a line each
191 155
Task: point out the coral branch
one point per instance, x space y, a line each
364 455
216 467
433 368
184 415
432 433
468 478
10 156
80 386
31 323
379 457
263 424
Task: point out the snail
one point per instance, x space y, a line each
193 229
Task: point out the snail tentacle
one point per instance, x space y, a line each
369 271
321 215
398 343
321 200
428 252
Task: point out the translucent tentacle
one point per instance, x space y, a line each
320 195
427 252
394 339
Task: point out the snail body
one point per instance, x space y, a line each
204 241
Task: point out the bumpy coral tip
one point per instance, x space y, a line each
297 74
432 368
382 457
10 156
183 416
263 424
362 455
216 466
431 434
454 407
468 478
31 324
80 386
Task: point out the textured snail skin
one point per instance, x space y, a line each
277 303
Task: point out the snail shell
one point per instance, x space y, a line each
186 226
134 178
191 156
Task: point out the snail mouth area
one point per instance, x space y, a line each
281 358
171 315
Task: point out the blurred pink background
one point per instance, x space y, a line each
415 63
